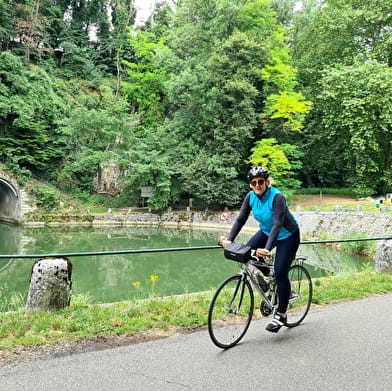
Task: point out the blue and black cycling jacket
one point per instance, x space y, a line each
272 213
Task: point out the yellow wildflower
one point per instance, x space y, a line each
136 283
154 278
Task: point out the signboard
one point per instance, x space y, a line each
147 191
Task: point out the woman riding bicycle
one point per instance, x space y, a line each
278 228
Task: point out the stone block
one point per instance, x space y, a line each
50 285
384 256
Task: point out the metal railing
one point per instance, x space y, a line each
160 250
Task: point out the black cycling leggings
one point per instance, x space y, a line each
286 250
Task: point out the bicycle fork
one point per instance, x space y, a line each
240 287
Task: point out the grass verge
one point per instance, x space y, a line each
84 321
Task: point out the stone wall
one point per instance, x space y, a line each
27 203
313 224
342 224
107 179
10 206
14 200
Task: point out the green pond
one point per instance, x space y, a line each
111 278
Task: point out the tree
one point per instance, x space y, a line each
29 107
225 82
123 16
282 160
30 27
284 107
355 111
285 10
148 164
195 106
6 23
330 39
187 97
340 32
198 25
99 131
145 85
159 22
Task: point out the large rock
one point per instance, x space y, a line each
50 284
384 256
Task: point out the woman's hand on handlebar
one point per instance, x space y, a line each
263 252
223 241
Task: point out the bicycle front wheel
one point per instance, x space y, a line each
300 296
230 311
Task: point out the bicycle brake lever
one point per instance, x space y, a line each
254 256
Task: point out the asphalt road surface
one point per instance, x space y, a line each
346 346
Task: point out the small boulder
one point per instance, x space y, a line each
384 256
50 285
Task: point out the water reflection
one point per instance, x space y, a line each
110 278
11 237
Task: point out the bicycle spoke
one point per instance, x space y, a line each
230 312
300 296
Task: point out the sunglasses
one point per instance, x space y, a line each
257 182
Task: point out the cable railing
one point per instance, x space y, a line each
169 249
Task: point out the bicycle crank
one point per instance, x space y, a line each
265 309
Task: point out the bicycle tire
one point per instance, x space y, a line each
230 311
300 296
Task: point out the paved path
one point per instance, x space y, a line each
347 346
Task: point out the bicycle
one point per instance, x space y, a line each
231 308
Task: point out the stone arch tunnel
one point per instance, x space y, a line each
10 203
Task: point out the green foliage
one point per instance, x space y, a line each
99 133
6 23
285 10
359 247
211 179
285 109
291 108
358 122
194 96
46 198
191 94
12 302
198 26
145 85
212 106
345 38
340 32
148 164
258 17
268 153
351 286
29 107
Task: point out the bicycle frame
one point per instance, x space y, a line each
249 270
235 295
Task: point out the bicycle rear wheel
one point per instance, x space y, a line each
230 311
300 296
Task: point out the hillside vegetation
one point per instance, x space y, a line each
185 104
